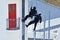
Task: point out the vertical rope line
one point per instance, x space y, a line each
34 35
49 27
44 29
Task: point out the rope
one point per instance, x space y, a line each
34 35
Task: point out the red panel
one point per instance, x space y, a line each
12 11
12 15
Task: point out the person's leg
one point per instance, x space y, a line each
35 26
26 17
30 23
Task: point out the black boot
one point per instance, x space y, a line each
33 29
26 25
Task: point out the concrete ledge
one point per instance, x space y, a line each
17 28
54 2
38 39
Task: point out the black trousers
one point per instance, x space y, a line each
28 16
35 23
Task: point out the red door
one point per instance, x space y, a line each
12 15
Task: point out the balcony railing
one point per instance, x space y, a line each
16 22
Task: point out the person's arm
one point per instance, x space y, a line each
31 8
40 19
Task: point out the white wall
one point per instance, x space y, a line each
16 34
9 34
3 16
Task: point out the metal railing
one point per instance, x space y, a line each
17 24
